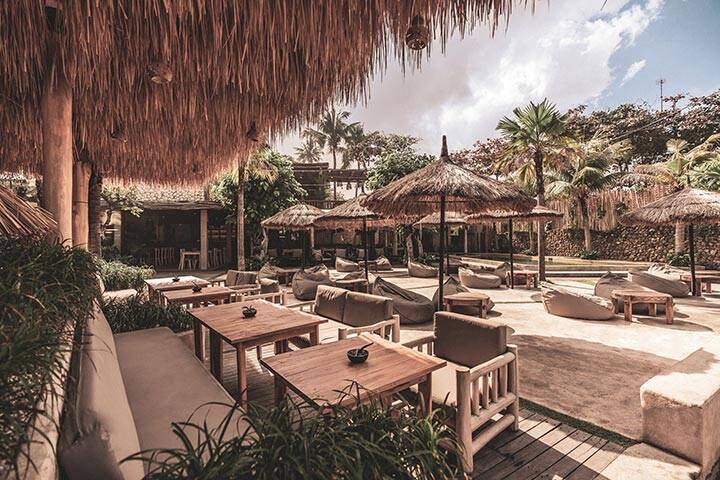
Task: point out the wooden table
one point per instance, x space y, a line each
272 324
531 279
194 256
468 299
318 374
630 297
285 274
704 278
186 296
159 285
353 284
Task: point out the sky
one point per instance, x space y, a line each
600 54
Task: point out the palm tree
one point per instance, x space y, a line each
588 170
535 134
309 151
685 165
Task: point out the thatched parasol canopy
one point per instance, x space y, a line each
173 92
538 213
350 215
451 218
19 219
297 217
690 205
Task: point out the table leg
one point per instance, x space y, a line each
216 355
627 306
708 287
280 389
425 394
278 347
448 305
483 310
616 305
652 309
669 313
242 374
315 335
199 338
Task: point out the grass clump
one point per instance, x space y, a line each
139 313
120 276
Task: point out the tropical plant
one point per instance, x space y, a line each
139 313
120 199
309 151
682 168
587 170
46 290
484 157
677 259
396 159
295 441
535 138
117 275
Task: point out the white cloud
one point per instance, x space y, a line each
633 70
562 52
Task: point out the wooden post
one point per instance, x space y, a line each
312 237
465 239
95 213
57 168
81 192
203 239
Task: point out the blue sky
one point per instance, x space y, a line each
570 51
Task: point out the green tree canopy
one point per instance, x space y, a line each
395 158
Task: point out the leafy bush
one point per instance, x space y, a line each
138 313
256 262
119 276
46 290
588 254
292 441
678 260
426 259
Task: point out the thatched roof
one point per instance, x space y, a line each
538 213
297 217
690 205
466 192
18 218
173 92
350 215
451 218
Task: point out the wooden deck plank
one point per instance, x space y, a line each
573 460
553 455
591 468
488 457
529 437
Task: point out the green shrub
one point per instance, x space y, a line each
290 441
138 313
46 291
426 259
678 260
119 276
588 254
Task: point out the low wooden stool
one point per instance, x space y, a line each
530 279
468 299
652 299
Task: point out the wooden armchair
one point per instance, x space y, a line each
479 382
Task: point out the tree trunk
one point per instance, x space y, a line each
95 213
540 190
240 218
334 168
586 223
679 238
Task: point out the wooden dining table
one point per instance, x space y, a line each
158 285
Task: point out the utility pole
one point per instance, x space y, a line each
661 82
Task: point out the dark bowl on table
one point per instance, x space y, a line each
176 279
357 355
197 289
249 312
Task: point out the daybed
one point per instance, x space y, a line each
473 279
416 269
663 282
564 303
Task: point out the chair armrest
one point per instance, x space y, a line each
300 305
217 283
380 328
493 364
247 286
419 342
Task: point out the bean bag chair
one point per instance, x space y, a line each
268 271
419 270
564 303
306 281
410 306
383 264
612 281
453 285
665 271
676 288
344 265
472 279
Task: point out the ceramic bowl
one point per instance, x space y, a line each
249 312
357 356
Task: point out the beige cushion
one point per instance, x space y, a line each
501 271
564 303
99 430
610 282
472 279
452 285
119 295
666 271
676 288
166 383
416 269
383 264
412 307
362 309
235 277
330 302
468 340
306 281
444 384
344 265
268 271
268 285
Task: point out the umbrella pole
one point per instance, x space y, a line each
512 266
691 241
302 254
365 246
447 256
441 273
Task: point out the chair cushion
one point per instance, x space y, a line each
268 285
119 295
362 309
452 285
472 279
306 281
676 288
330 302
99 431
564 303
610 282
235 277
467 340
344 265
416 269
444 387
383 264
166 383
268 271
411 306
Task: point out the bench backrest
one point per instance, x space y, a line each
352 308
468 340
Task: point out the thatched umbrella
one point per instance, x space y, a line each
443 185
18 218
689 205
299 217
538 213
352 214
451 218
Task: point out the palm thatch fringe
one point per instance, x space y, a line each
690 205
349 215
538 213
451 218
18 218
297 217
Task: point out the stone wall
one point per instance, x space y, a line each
642 244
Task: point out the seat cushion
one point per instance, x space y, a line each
235 277
166 383
268 285
100 430
472 279
412 307
444 385
119 295
362 309
268 271
343 265
330 302
564 303
467 340
666 271
416 269
383 264
676 288
306 281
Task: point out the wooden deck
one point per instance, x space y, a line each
542 449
